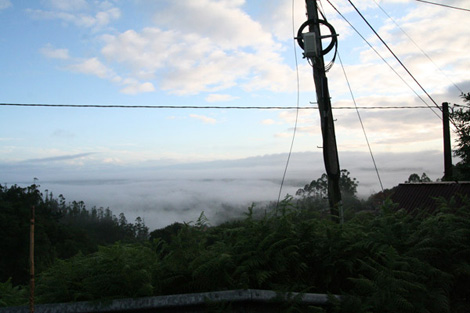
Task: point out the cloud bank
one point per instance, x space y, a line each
222 189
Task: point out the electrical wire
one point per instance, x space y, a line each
380 107
417 46
362 124
444 5
184 107
119 106
383 59
296 112
330 64
394 55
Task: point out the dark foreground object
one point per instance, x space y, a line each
249 300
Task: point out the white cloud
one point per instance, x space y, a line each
226 25
217 47
277 17
92 66
106 17
220 46
150 49
52 53
5 4
79 13
204 119
428 27
192 64
220 98
136 87
185 58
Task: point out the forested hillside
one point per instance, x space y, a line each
61 230
380 261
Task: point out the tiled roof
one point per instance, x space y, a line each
412 196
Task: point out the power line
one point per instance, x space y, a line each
297 108
381 107
422 51
362 124
444 5
383 59
184 107
394 55
119 106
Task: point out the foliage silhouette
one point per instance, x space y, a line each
116 271
385 262
61 230
461 120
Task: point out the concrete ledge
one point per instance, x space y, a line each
182 302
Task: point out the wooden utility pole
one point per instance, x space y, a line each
31 262
447 144
330 151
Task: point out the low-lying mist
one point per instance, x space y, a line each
162 195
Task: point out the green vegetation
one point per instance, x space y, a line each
11 295
461 120
62 230
380 261
314 196
115 271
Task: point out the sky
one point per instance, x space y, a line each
170 164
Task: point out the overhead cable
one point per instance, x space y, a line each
120 106
417 46
184 107
394 55
383 59
444 5
297 109
362 124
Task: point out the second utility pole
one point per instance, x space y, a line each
330 151
447 143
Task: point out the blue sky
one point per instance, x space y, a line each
219 53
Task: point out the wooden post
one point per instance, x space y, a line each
31 261
447 144
330 151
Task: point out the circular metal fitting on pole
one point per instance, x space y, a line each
332 35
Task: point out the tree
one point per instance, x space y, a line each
314 195
461 120
141 231
415 178
319 187
61 230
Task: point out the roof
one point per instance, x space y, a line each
412 196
